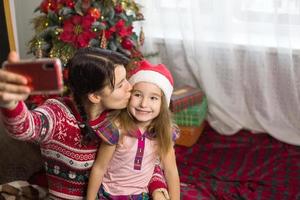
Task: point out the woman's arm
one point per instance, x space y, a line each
171 173
99 168
18 121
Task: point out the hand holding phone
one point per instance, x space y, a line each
44 75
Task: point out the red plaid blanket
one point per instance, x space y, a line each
243 166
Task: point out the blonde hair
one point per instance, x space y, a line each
162 126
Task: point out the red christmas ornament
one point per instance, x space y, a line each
70 3
127 44
118 8
48 5
94 13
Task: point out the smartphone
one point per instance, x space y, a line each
44 75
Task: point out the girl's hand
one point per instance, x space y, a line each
160 194
12 86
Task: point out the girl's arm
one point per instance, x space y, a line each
99 168
157 187
171 173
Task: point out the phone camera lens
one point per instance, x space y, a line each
49 66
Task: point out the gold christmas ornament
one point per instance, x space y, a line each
141 37
140 16
39 53
103 42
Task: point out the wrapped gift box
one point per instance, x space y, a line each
184 97
193 115
189 135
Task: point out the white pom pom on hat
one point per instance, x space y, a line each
156 74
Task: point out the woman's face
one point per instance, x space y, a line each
118 97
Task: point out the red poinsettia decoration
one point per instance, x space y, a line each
77 30
122 29
66 25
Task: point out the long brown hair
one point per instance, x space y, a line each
90 70
162 126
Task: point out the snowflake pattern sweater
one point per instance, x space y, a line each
54 126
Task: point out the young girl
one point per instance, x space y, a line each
143 135
64 128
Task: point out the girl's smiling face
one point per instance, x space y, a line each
145 102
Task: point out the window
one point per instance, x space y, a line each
267 23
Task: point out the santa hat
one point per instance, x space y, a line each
156 74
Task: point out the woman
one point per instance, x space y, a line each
65 128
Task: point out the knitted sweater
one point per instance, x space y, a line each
54 126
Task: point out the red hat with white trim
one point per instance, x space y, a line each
156 74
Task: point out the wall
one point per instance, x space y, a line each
3 34
24 12
19 160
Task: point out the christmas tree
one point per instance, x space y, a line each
66 25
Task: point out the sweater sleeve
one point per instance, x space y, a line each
26 125
108 132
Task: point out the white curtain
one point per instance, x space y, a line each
245 55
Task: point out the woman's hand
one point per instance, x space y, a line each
12 86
